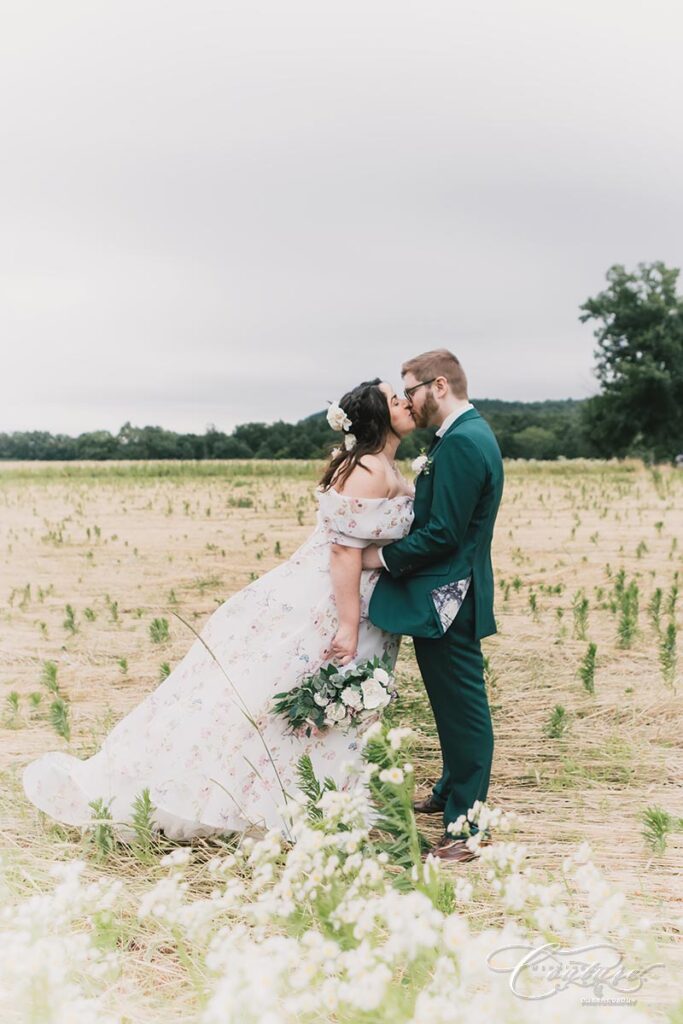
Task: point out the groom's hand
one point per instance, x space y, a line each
371 559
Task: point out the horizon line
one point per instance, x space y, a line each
318 412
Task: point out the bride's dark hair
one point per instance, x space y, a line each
368 409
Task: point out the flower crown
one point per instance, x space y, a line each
338 420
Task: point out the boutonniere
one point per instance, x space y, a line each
422 464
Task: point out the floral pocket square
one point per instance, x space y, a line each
447 600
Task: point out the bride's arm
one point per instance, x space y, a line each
346 562
345 570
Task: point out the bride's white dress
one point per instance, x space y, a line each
189 741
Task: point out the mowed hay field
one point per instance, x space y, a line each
585 553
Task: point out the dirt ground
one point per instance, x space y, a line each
123 544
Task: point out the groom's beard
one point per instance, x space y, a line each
426 413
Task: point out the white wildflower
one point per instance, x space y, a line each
464 890
455 933
457 826
396 736
372 731
177 858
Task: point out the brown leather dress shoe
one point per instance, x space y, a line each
449 849
428 806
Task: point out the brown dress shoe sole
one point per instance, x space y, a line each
427 807
455 851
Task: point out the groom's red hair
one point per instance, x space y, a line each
438 363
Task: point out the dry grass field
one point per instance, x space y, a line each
585 553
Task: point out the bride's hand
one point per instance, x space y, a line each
344 646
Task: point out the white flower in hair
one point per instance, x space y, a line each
337 418
350 442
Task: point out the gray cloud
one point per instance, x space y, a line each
218 213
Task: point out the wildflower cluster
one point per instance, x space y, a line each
329 925
52 966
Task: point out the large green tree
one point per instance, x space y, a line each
639 328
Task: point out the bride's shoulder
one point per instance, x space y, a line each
407 488
367 479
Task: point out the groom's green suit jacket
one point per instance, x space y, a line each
456 502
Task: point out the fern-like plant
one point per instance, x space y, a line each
393 800
310 786
101 829
558 722
143 824
657 825
70 620
667 654
158 631
580 606
654 609
49 676
628 621
587 668
59 717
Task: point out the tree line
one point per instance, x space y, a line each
539 430
638 324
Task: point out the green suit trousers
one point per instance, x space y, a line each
452 668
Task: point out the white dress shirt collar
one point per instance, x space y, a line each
452 418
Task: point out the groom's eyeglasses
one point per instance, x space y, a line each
409 392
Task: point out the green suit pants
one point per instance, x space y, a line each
452 669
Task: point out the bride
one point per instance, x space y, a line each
193 741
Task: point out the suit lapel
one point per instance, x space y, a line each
469 415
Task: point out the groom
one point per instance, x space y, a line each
438 585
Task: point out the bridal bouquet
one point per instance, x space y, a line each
343 697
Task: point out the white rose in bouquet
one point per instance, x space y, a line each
381 676
374 694
352 698
321 701
335 713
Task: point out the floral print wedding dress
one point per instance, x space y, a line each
190 741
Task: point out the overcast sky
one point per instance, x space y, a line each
220 212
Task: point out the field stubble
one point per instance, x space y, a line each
581 551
